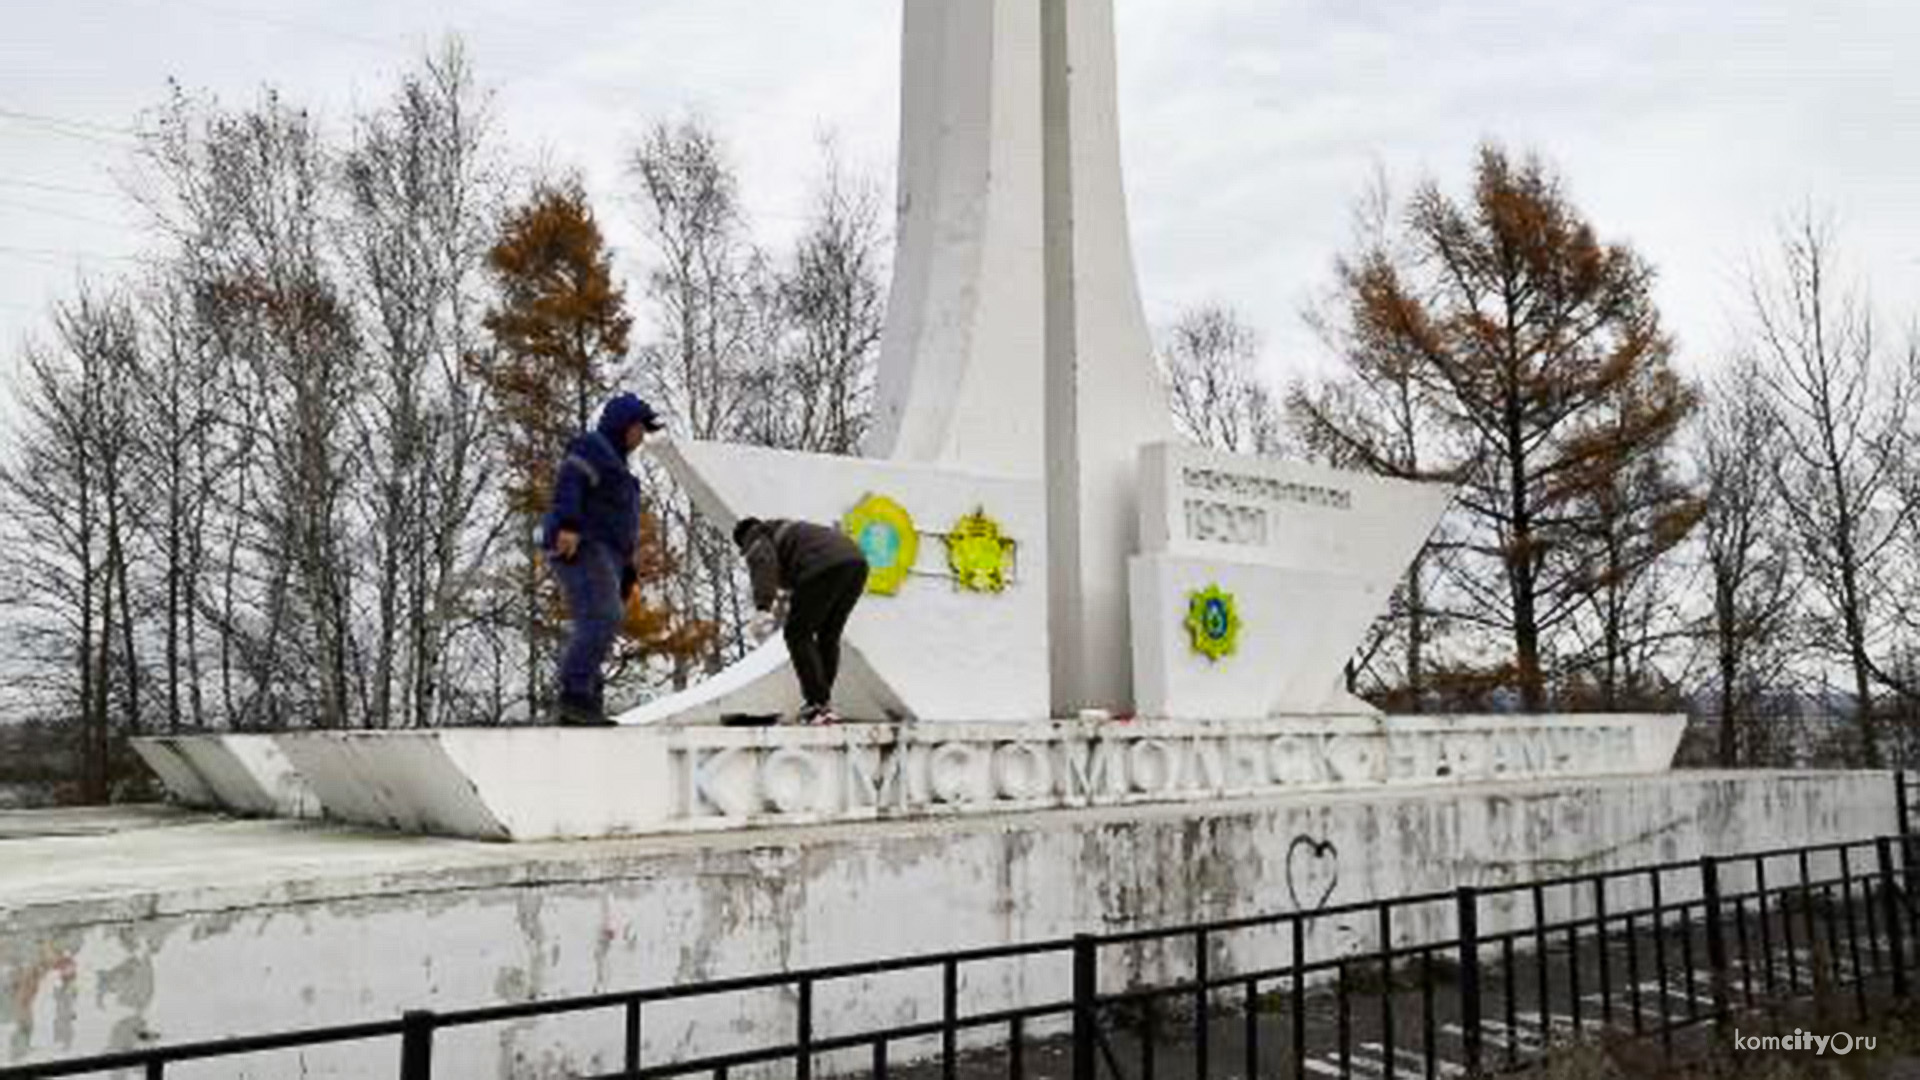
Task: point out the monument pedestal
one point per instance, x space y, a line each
556 783
181 928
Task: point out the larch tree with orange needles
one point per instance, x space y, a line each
558 326
1537 352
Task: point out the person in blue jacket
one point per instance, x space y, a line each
589 537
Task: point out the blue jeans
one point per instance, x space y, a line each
591 582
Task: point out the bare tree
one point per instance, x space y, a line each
246 197
1843 405
182 386
709 285
262 490
816 393
1744 550
1637 509
72 498
713 299
1210 358
1902 668
1379 416
423 191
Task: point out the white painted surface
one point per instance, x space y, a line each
1015 343
1204 504
961 375
176 772
530 784
489 784
932 652
243 774
408 782
210 930
1311 556
1298 628
760 683
961 394
733 778
1104 397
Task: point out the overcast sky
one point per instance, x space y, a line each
1685 127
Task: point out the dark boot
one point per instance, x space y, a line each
581 712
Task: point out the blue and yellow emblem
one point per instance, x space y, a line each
981 559
885 532
1213 622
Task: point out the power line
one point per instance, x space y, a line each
67 214
64 189
413 50
64 253
69 129
289 24
62 122
57 121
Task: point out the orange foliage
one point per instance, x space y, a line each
1536 352
559 322
653 627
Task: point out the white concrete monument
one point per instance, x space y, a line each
1015 347
1068 607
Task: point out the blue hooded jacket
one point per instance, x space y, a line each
595 494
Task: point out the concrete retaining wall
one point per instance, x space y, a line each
208 930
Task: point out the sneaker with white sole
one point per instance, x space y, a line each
813 715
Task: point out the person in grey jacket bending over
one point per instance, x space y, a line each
825 573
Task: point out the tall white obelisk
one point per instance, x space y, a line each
1015 340
961 360
1104 398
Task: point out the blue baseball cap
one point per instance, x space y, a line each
626 410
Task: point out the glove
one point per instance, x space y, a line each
763 625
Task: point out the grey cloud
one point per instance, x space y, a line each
1686 128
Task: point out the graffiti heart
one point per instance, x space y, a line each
1313 872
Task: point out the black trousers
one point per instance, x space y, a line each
816 617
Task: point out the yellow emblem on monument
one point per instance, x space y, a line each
981 558
885 532
1213 622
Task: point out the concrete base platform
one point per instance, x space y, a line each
242 774
159 926
550 783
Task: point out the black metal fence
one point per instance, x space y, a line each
1477 980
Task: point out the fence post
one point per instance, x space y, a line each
416 1045
1716 937
949 1019
1900 796
1467 904
1896 932
1086 989
803 1054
